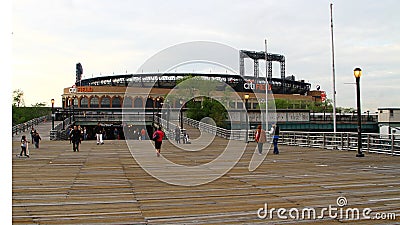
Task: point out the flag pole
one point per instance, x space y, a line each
333 74
266 86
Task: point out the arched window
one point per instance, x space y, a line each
105 102
84 102
75 102
138 103
127 102
116 102
94 102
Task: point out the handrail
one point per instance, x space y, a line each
22 127
371 142
218 131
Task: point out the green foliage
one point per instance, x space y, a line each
39 104
187 77
207 108
18 98
297 104
24 114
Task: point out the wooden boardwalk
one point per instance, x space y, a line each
103 184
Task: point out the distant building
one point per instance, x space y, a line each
389 121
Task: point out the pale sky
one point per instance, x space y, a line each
50 36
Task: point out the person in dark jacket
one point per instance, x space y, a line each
275 135
178 135
36 139
99 133
32 132
76 138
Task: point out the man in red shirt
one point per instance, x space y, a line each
158 136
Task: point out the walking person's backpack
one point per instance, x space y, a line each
156 136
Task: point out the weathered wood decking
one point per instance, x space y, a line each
104 184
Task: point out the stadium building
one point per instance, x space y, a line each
102 99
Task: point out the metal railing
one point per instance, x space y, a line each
60 130
218 131
371 142
19 128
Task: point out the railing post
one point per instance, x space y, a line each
392 144
341 141
368 142
348 141
323 140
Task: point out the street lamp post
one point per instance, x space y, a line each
357 75
73 108
70 110
158 109
152 101
246 98
52 114
181 114
166 103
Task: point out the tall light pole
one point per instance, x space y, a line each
333 75
70 109
152 103
357 75
158 109
166 103
181 113
52 114
246 98
73 108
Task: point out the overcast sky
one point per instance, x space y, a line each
49 37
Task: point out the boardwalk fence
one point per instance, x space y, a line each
371 142
22 127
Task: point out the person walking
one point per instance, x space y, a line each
99 134
275 137
24 146
36 139
84 133
143 134
69 134
178 135
32 132
260 138
116 134
158 136
76 137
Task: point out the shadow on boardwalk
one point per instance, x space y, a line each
104 184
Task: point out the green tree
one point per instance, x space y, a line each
39 104
198 110
18 98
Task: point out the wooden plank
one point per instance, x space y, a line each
105 185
